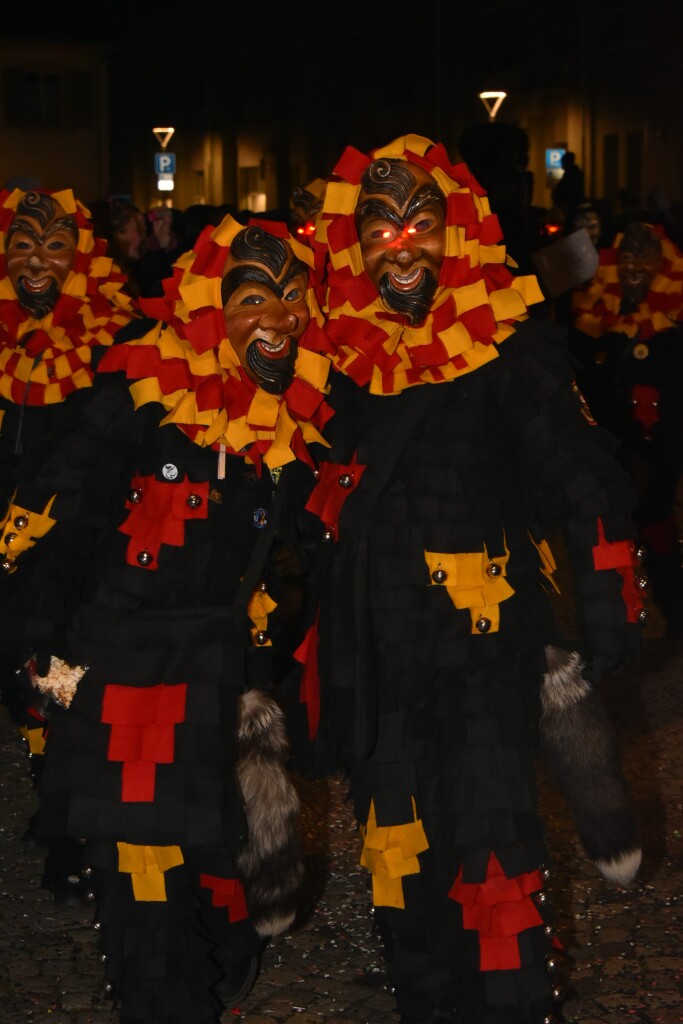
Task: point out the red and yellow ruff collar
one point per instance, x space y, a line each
54 361
597 308
186 363
478 300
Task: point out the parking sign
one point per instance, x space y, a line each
164 163
553 159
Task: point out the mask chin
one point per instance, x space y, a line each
272 375
39 306
413 305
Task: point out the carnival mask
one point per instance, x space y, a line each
639 260
41 247
400 219
265 308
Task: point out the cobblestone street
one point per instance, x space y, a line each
624 949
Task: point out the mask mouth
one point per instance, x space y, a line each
36 285
406 282
274 349
37 296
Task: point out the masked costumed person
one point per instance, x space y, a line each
164 759
628 334
459 441
61 303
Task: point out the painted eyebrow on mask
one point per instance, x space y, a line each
253 275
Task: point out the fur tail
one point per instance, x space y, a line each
581 750
270 862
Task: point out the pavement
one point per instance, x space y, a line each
623 948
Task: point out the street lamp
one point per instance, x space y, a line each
163 136
492 100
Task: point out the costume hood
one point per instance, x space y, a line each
43 361
478 300
597 308
186 362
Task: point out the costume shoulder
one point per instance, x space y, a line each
134 329
540 341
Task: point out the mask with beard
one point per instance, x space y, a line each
264 305
400 221
639 259
41 248
418 290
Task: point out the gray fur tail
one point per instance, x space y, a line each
270 861
581 751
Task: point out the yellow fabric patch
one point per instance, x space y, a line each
34 738
507 304
261 605
548 566
340 197
389 853
146 866
16 538
528 287
471 584
470 296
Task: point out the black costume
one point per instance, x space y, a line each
631 366
435 631
160 756
47 363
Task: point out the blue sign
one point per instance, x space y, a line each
164 163
553 159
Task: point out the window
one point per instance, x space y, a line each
41 99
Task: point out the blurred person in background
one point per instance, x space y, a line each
628 337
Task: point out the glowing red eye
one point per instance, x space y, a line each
386 234
411 231
299 231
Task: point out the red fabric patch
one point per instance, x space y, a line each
480 322
206 332
351 165
499 909
342 235
309 691
228 893
160 516
461 208
621 556
489 230
328 496
644 401
142 723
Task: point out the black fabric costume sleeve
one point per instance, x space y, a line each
84 471
574 483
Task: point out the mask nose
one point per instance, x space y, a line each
405 250
283 322
36 260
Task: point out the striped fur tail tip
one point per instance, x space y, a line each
582 754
